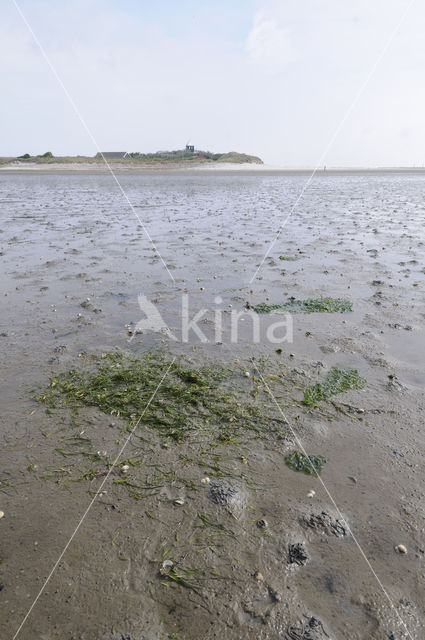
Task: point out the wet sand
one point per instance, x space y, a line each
69 238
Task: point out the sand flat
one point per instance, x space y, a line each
73 262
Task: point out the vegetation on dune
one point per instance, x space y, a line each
135 158
337 381
234 156
311 305
190 156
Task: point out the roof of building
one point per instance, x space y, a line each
112 154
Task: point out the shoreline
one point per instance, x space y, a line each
170 168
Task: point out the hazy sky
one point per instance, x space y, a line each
268 77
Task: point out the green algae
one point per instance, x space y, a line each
310 305
185 400
310 465
337 381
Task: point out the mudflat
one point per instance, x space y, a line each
212 522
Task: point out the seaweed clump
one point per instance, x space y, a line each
310 305
310 465
184 400
337 381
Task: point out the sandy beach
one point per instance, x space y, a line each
210 533
132 167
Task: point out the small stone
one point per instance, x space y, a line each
275 595
179 502
400 548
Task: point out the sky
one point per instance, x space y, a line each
275 78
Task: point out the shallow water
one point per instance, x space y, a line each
77 235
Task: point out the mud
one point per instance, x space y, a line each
74 260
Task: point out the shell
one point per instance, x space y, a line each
400 548
166 567
178 502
